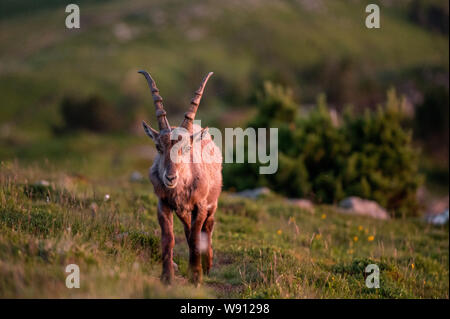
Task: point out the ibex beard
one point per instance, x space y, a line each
189 188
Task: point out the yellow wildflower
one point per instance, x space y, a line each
413 266
279 231
323 216
355 239
371 238
360 228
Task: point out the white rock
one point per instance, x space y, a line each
136 177
302 203
358 206
43 183
438 219
123 32
254 193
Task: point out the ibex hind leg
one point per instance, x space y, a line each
207 231
195 266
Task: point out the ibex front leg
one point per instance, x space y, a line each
165 218
185 218
195 265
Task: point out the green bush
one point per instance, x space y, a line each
326 158
433 15
431 124
92 113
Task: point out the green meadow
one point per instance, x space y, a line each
68 198
266 248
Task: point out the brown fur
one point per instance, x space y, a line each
193 199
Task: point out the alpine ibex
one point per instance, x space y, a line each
189 188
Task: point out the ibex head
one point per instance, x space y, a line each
164 139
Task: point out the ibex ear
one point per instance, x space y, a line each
152 133
198 136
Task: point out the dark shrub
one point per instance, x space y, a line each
369 155
432 118
432 15
93 114
382 164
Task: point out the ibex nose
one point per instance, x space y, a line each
171 177
170 180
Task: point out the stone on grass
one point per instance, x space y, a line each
305 204
254 193
363 207
43 182
136 177
438 219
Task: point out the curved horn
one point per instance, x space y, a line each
163 123
189 116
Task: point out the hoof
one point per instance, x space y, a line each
196 278
167 279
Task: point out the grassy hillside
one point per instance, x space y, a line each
244 42
264 248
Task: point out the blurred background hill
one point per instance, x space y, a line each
54 80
